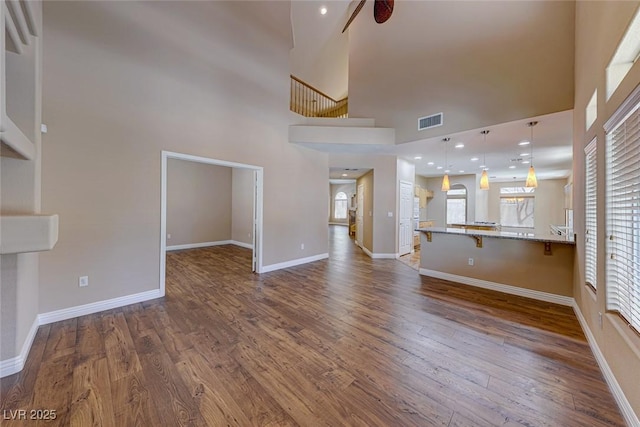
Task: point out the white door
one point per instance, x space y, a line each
360 216
405 234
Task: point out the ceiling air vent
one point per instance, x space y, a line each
428 122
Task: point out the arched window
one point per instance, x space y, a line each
457 204
340 206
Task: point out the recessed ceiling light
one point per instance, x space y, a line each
526 162
447 171
524 143
482 166
323 10
474 159
459 145
344 174
461 171
439 167
430 164
418 158
512 167
524 154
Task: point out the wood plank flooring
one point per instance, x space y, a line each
346 341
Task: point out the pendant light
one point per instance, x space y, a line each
484 178
532 181
445 180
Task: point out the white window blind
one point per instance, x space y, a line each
623 211
590 221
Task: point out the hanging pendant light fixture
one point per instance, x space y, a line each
532 181
484 178
445 180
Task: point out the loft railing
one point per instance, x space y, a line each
310 102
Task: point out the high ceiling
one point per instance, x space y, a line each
485 64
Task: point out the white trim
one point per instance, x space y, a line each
16 364
241 244
378 256
199 245
346 224
94 307
508 289
366 251
625 407
628 106
163 222
385 256
293 262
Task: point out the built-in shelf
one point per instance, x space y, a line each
28 233
19 29
12 137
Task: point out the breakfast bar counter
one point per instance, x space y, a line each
539 266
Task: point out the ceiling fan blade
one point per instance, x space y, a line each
382 10
354 14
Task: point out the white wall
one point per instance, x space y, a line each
124 81
242 205
198 202
20 193
320 57
599 28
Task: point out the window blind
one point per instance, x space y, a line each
623 213
591 227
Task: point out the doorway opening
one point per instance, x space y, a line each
257 198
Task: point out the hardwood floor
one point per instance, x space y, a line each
345 341
412 259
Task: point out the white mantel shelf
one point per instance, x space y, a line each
27 233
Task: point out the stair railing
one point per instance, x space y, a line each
310 102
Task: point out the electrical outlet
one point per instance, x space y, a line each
470 261
302 246
83 281
168 236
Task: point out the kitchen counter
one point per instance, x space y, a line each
551 238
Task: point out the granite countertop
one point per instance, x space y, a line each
503 235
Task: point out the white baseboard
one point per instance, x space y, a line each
625 407
293 263
508 289
241 244
378 256
199 245
15 364
94 307
207 244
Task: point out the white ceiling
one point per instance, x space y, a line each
421 37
